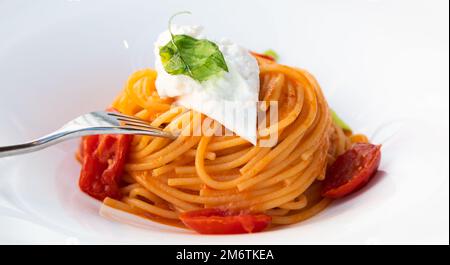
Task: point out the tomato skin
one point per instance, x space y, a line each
217 221
352 170
264 56
103 158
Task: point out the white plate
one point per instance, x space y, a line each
382 64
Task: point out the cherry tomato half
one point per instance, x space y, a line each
103 158
264 56
352 170
217 221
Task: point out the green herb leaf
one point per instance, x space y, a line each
185 55
339 122
199 59
272 54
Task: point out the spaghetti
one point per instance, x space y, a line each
165 178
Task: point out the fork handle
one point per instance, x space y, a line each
36 145
62 135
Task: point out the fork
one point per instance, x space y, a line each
93 123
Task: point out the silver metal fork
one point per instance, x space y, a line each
99 122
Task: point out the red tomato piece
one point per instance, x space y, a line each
217 221
352 170
103 158
264 56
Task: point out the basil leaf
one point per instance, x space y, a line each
339 122
199 59
272 54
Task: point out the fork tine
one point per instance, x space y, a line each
123 117
132 120
141 123
146 131
138 124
